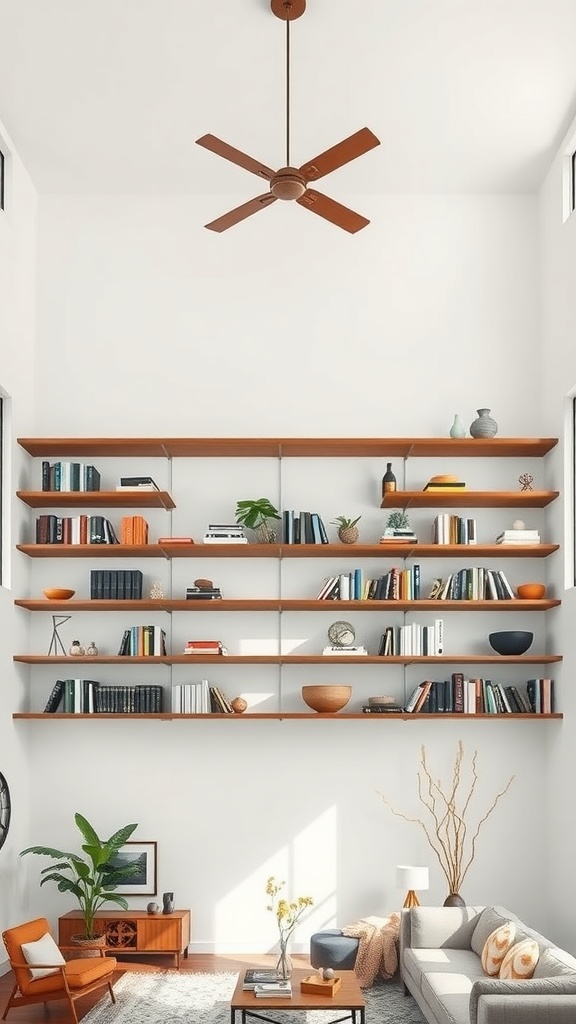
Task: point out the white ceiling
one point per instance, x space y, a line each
109 95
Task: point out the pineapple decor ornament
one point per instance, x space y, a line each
347 529
156 591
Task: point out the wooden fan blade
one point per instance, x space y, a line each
339 215
228 220
355 145
235 156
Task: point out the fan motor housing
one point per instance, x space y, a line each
288 183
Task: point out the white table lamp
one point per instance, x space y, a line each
411 878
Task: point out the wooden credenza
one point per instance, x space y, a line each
134 931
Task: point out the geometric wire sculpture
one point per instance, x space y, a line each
53 649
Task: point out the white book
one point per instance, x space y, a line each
136 487
211 539
344 586
344 650
177 698
439 635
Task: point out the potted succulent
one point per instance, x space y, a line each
256 514
347 529
91 879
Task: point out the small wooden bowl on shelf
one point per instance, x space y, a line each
531 591
326 698
58 593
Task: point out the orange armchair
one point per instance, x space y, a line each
55 978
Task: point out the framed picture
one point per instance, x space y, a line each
143 856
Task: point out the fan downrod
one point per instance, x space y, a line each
288 10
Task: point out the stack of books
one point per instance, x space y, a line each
345 650
225 533
137 483
258 976
273 989
391 536
518 537
202 593
445 483
203 647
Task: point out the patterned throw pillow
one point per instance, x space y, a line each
495 948
520 960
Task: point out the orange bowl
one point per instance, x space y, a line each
531 591
326 698
58 594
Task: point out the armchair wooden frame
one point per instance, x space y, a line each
66 982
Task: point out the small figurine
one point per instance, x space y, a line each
76 649
156 591
92 650
525 481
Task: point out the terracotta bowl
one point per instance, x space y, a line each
531 591
326 698
511 641
58 594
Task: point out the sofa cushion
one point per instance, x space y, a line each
448 995
438 927
495 948
520 960
555 962
420 962
488 920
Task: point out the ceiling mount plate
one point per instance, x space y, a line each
288 10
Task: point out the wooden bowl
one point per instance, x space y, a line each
58 594
326 698
531 591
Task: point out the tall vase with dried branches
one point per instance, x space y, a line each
449 832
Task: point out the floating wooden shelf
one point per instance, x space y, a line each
468 499
277 604
97 499
279 715
289 659
356 551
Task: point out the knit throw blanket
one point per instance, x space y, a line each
377 949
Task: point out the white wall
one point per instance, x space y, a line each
17 322
150 325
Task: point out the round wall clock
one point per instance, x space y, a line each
341 634
4 809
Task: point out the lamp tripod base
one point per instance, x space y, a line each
411 899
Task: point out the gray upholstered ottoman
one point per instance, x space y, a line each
333 949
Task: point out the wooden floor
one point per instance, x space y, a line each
58 1013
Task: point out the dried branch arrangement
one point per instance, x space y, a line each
450 836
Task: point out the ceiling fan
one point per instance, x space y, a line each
292 183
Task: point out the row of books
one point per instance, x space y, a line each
413 639
264 982
303 528
396 584
116 584
473 584
133 530
204 647
69 476
452 529
88 696
481 696
143 641
203 593
199 699
80 529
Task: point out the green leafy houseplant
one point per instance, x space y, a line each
92 878
347 531
256 514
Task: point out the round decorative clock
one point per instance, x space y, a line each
341 634
4 809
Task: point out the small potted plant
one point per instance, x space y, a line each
91 879
256 514
347 529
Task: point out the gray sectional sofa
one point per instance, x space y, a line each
440 965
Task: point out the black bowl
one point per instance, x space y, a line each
511 641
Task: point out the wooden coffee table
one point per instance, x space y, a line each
349 997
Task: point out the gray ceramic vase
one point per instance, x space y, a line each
484 426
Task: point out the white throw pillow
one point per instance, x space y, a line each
43 951
495 948
520 960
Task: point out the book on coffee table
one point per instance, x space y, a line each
258 976
273 990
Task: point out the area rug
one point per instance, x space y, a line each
172 997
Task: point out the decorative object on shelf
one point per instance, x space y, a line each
238 705
204 584
347 529
5 810
518 524
457 429
450 836
57 621
398 520
531 591
327 973
256 514
484 425
167 902
412 878
152 908
76 649
511 641
156 591
92 650
92 878
59 593
526 480
326 698
341 634
288 914
388 480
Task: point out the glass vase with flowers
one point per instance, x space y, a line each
288 914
